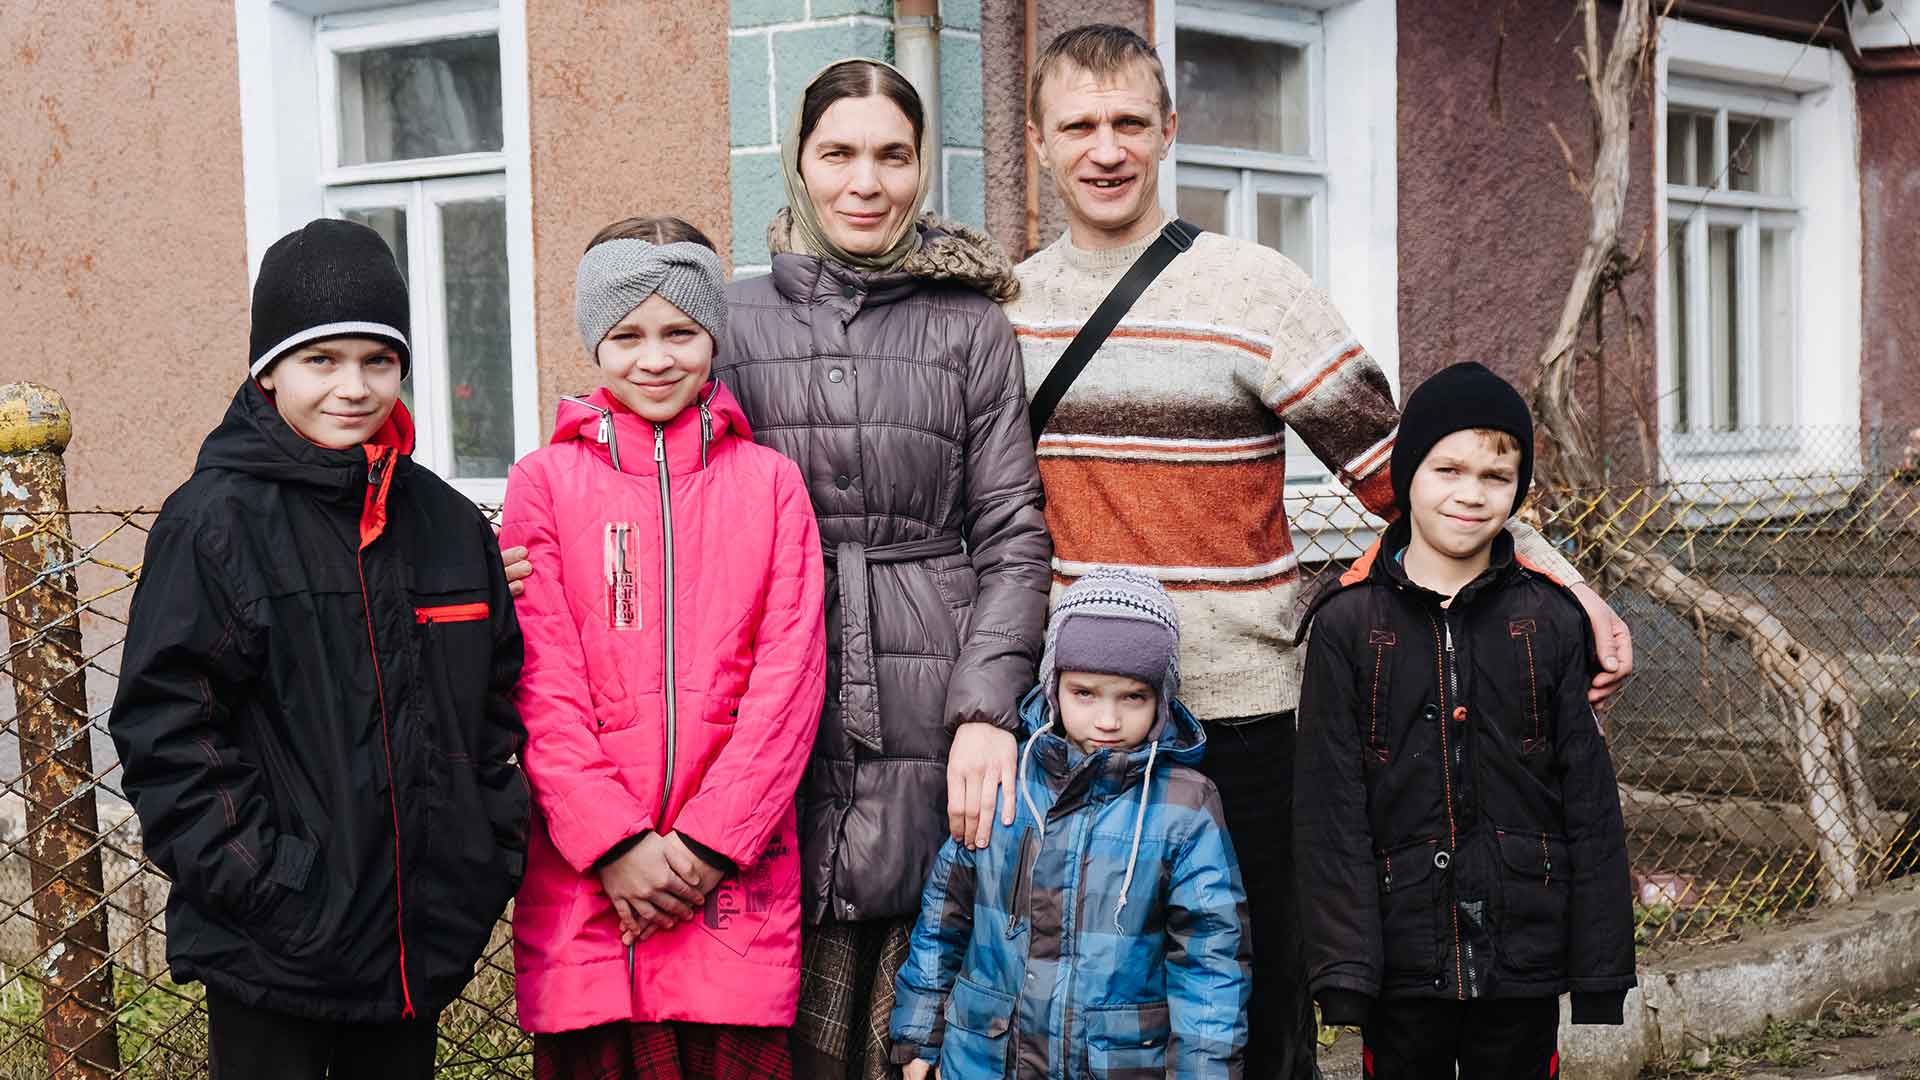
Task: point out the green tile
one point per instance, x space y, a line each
762 12
964 14
960 102
747 75
967 189
758 191
826 9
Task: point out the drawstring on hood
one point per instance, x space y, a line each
1139 823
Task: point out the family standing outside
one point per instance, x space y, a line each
792 718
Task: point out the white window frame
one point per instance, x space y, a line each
1811 90
289 134
1356 216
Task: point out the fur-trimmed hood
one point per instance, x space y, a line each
948 251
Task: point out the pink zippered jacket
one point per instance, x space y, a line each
675 669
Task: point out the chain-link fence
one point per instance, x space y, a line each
1769 758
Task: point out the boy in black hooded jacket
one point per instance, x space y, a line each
313 711
1461 855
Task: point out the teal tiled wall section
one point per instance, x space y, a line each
775 46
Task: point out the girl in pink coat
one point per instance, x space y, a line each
674 676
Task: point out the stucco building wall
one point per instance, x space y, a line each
1489 226
628 116
123 252
1889 203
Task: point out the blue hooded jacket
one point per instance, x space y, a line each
1103 935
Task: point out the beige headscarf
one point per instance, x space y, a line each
806 233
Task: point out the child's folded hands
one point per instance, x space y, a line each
647 893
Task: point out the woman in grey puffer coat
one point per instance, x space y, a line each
875 355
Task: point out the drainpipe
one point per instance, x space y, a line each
1032 43
916 52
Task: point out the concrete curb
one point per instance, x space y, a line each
1691 997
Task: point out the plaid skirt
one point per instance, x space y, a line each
669 1051
846 998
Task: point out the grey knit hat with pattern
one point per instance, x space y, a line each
617 276
1114 621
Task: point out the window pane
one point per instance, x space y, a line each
420 101
1776 327
1251 95
1757 155
1723 290
1286 225
479 339
1205 207
1677 326
1690 159
391 223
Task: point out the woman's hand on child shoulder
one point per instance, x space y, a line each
919 1069
647 893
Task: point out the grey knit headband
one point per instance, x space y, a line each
617 276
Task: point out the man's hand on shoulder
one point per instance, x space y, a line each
1615 643
519 567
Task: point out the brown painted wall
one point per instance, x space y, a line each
1889 203
629 116
1003 60
123 254
1489 227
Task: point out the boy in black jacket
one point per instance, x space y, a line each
313 711
1461 856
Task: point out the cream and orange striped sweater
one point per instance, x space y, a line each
1169 453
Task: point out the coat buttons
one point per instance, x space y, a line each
836 375
1431 714
843 481
849 292
1441 860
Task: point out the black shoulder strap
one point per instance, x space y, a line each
1175 238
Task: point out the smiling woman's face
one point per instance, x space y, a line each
862 171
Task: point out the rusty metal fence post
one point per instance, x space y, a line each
39 600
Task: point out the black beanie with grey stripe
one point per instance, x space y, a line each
328 279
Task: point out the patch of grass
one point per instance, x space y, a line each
1784 1044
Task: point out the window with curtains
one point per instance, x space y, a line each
1759 251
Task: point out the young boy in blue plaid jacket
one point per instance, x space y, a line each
1105 933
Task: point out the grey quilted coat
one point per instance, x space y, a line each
901 395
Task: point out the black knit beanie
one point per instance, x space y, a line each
1460 398
330 279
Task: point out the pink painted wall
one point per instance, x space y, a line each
123 254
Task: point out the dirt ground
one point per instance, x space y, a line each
1874 1039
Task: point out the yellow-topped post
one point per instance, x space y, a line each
39 601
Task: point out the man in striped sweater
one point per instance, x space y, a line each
1169 455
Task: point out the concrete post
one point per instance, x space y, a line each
39 601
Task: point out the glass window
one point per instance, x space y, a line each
1732 226
403 105
1242 93
420 101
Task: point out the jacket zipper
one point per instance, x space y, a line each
666 534
1450 696
376 472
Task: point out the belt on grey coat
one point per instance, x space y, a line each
859 682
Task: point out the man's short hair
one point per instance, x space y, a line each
1102 49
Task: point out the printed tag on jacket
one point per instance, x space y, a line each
621 567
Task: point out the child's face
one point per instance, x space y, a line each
336 393
655 360
1106 712
1462 493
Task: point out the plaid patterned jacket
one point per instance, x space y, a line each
1106 939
